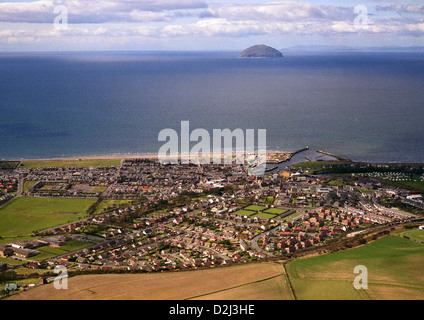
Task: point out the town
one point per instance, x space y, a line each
144 216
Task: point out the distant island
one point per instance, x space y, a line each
260 51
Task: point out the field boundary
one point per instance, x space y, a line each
289 282
405 235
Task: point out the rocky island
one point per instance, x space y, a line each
260 51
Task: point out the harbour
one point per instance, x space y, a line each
303 155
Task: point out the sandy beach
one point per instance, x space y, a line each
131 156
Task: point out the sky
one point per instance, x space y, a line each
205 25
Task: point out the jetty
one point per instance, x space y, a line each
300 150
333 155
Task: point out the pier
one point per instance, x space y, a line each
333 155
300 150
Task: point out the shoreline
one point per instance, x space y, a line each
121 157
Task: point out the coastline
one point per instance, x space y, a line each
121 157
105 157
270 157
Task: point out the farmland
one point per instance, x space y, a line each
415 234
24 215
253 281
392 272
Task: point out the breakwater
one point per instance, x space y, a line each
333 155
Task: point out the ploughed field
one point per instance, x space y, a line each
250 281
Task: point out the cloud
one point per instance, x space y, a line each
281 11
119 21
95 11
402 8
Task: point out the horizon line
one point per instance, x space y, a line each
296 48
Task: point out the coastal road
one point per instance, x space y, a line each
20 187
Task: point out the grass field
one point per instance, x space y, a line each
24 215
254 208
12 261
48 252
415 234
71 163
251 281
110 205
28 185
8 164
275 211
244 212
294 215
98 189
393 273
264 215
316 165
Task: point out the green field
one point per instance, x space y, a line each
110 205
244 212
48 252
275 211
12 261
415 234
413 184
264 215
254 208
71 163
294 215
316 165
366 191
24 215
394 267
98 189
8 164
28 185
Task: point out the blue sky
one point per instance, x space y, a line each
207 24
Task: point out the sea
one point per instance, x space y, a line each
366 106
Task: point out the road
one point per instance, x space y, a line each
254 241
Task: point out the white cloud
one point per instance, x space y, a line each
94 11
281 11
121 20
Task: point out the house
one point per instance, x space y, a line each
5 250
243 245
297 229
21 245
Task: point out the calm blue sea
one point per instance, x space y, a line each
364 106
